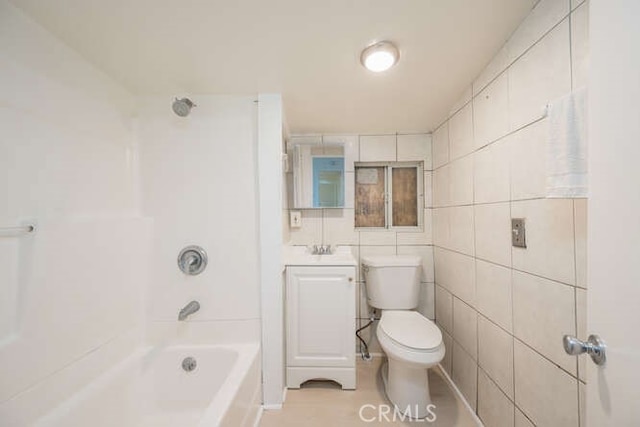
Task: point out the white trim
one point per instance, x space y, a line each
274 407
256 422
457 391
269 160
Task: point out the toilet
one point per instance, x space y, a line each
411 342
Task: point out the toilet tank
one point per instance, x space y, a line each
392 281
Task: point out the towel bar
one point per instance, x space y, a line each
18 230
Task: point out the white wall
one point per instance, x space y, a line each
504 310
199 183
70 295
336 226
614 231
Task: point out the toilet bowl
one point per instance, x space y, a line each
412 344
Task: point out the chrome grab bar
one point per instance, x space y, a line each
16 231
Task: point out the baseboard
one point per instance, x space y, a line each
275 407
458 393
258 417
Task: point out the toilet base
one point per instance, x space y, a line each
407 388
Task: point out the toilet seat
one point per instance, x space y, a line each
410 330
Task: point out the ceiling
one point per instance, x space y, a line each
307 50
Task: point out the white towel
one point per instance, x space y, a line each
567 147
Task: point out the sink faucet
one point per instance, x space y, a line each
188 310
321 249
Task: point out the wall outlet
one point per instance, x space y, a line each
295 219
518 235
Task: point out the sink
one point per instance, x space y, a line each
303 255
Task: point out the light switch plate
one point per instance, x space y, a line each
518 234
295 219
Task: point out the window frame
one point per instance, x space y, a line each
388 194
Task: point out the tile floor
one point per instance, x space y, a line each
324 404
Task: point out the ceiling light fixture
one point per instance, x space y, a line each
380 56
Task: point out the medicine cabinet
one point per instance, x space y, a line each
318 175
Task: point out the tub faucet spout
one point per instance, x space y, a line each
188 310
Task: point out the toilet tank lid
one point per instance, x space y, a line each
392 260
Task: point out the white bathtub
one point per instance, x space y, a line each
150 388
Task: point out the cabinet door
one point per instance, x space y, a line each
321 316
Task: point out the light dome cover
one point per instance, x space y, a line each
380 56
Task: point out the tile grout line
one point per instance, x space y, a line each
506 68
511 333
575 312
530 199
513 317
528 49
475 150
570 45
511 202
524 414
473 236
480 368
510 268
546 358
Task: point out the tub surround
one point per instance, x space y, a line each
181 162
91 183
74 289
185 171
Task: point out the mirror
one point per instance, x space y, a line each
318 176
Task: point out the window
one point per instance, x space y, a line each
388 195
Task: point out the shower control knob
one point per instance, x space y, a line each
594 347
192 260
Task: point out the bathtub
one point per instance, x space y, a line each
150 388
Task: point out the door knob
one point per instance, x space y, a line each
594 347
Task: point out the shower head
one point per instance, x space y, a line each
183 106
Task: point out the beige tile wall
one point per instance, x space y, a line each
503 310
336 226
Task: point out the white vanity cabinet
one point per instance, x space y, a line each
320 324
